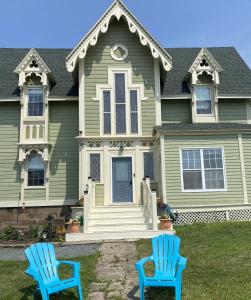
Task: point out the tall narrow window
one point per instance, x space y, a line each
148 165
134 111
203 169
35 102
203 100
107 111
35 170
120 101
95 166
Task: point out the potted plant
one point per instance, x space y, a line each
73 225
167 217
78 209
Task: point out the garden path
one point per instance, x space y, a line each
117 277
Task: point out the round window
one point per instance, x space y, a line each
119 52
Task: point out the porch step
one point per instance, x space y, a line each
117 208
113 235
119 227
115 214
100 220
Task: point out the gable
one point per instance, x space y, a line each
117 11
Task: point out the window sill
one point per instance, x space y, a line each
34 187
204 191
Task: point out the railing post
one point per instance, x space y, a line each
154 210
86 210
148 182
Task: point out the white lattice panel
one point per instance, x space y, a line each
240 215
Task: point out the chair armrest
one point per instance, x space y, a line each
181 264
74 264
140 265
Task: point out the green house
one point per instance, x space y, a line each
124 123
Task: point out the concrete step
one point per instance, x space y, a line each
119 227
79 238
101 220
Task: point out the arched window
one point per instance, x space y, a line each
35 170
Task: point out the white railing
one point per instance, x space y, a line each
89 202
149 200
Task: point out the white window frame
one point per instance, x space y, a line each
37 87
128 87
34 187
211 97
204 190
154 167
101 165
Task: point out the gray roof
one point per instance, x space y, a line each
203 127
54 59
235 78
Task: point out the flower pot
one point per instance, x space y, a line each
74 227
166 224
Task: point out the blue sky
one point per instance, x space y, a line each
174 23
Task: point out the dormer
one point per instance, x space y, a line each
204 82
32 70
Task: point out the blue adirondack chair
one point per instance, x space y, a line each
44 270
168 265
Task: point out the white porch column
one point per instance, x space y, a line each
243 172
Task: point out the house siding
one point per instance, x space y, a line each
97 61
64 154
35 194
99 194
176 110
232 110
175 196
10 185
246 143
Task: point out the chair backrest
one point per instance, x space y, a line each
42 259
166 253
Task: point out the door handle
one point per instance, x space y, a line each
130 182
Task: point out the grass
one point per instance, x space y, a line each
219 262
15 285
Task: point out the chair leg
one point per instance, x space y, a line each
178 292
45 295
142 294
80 292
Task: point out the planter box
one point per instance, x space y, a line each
77 211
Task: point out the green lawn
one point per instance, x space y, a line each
219 262
15 285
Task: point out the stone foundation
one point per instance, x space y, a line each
33 215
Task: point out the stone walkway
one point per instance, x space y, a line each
117 277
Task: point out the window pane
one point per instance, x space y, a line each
134 122
214 179
107 101
134 111
120 118
202 93
133 100
204 107
35 170
95 166
107 111
120 88
192 180
35 102
191 159
203 100
148 165
107 123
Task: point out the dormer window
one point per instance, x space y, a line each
203 99
35 102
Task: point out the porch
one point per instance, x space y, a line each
118 221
